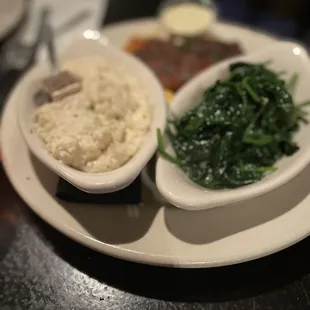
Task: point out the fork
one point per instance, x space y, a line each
17 55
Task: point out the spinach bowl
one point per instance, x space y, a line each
237 130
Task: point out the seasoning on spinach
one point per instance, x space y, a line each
243 125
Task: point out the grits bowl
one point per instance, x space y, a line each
85 175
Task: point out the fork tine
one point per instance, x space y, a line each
44 16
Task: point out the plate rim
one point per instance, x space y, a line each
128 254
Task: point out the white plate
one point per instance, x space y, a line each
11 11
164 235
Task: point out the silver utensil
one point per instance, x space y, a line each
16 53
48 39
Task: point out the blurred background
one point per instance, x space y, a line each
284 18
288 18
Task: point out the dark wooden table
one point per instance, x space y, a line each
42 269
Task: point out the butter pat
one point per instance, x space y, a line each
187 19
61 85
